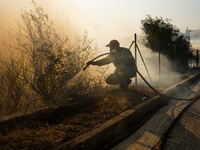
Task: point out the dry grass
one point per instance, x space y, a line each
45 134
49 128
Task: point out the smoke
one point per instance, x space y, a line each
195 44
159 75
166 76
20 114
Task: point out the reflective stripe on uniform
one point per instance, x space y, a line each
130 57
120 73
109 57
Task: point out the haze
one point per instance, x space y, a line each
105 19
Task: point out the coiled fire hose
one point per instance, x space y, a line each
196 95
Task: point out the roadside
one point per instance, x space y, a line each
49 128
185 134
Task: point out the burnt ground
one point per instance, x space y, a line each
46 129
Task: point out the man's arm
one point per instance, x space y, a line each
101 62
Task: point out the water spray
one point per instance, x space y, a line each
196 95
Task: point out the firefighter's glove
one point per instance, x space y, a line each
90 63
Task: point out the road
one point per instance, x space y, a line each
185 133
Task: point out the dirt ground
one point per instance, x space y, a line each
46 129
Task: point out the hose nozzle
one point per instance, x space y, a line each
90 62
87 65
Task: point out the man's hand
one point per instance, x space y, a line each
90 63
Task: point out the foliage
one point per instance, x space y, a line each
45 61
161 36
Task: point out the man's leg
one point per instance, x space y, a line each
124 82
113 79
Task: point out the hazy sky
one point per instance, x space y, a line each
106 19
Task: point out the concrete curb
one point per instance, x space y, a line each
115 129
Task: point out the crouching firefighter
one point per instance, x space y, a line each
123 61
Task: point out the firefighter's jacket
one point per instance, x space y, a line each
123 61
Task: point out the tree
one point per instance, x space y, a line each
45 62
161 36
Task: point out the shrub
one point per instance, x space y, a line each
45 62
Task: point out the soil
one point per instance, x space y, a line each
46 129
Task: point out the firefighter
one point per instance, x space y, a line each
123 61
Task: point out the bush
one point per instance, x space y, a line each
45 62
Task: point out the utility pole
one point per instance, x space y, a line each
159 60
175 56
135 59
197 59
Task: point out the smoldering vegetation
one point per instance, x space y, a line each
43 65
39 62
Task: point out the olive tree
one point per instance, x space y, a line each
161 36
42 64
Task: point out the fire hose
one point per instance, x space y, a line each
95 59
196 95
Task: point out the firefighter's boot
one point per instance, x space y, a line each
124 85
